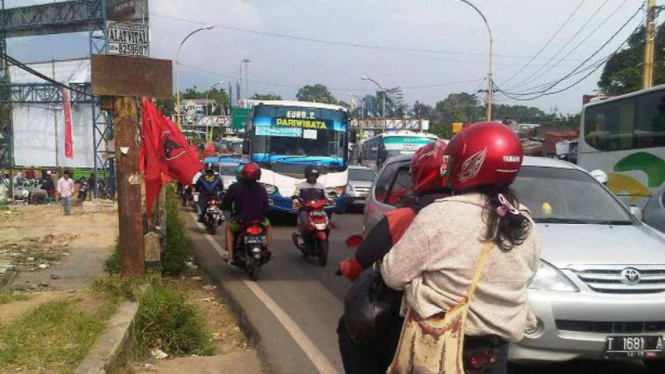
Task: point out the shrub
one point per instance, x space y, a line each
178 244
112 265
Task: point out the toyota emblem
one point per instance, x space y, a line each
630 276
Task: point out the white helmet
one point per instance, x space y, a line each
600 176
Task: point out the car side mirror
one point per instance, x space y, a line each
636 212
354 240
246 145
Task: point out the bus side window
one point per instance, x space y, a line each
384 182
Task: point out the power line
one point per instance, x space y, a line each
580 43
535 73
556 33
383 48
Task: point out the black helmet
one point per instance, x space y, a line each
209 166
311 170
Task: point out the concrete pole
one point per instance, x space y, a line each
649 48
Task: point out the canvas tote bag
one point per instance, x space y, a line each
434 345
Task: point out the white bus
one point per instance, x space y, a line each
284 137
624 136
375 151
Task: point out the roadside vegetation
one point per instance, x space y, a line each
55 336
8 297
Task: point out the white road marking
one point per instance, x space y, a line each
318 359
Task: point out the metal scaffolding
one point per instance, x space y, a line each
54 18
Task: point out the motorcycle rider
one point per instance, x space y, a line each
308 190
247 200
437 257
428 184
209 185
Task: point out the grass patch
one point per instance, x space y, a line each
164 318
112 265
53 338
8 297
178 244
3 206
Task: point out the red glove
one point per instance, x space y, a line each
350 268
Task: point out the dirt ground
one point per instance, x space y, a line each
50 251
226 334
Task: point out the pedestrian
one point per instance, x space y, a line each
66 189
48 186
92 184
481 239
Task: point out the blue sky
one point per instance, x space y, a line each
280 65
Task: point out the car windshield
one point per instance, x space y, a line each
363 175
567 196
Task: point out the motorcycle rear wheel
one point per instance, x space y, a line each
212 228
254 269
322 246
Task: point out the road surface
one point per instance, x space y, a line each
294 307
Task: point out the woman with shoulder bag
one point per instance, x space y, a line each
465 261
367 341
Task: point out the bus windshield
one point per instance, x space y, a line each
299 136
402 145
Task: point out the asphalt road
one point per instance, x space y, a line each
292 311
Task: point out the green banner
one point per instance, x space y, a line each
239 117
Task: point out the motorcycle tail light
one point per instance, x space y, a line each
481 360
254 230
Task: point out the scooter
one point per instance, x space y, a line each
83 189
314 240
251 249
213 216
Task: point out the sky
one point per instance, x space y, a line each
430 48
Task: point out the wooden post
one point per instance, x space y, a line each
129 186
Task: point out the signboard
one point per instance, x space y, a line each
239 117
457 127
127 39
131 76
121 10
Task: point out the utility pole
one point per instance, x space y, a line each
246 61
649 49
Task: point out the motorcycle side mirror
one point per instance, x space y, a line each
354 240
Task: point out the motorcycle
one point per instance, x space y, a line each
213 216
194 202
314 240
83 189
251 249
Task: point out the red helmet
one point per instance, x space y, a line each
428 169
485 153
251 172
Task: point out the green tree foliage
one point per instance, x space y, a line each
623 71
270 96
458 107
317 93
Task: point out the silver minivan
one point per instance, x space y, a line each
600 290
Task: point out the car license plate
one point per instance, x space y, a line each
255 239
634 347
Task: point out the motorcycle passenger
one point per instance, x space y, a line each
309 190
437 257
247 200
209 185
428 184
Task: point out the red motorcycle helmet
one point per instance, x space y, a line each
251 172
485 153
428 168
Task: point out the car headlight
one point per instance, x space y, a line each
349 188
270 189
335 191
548 278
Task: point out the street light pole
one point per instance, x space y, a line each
177 69
246 61
383 114
490 82
208 93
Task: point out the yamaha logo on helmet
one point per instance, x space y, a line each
512 159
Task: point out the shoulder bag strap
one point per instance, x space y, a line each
479 270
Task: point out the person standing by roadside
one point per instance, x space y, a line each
48 185
66 189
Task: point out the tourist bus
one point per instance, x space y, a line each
624 136
375 151
284 137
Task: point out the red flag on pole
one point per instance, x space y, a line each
67 112
165 153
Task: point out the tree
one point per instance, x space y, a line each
420 110
270 96
222 100
458 107
623 71
317 93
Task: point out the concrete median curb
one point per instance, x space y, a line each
113 346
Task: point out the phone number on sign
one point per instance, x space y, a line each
129 49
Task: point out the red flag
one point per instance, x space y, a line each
165 153
67 112
209 150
